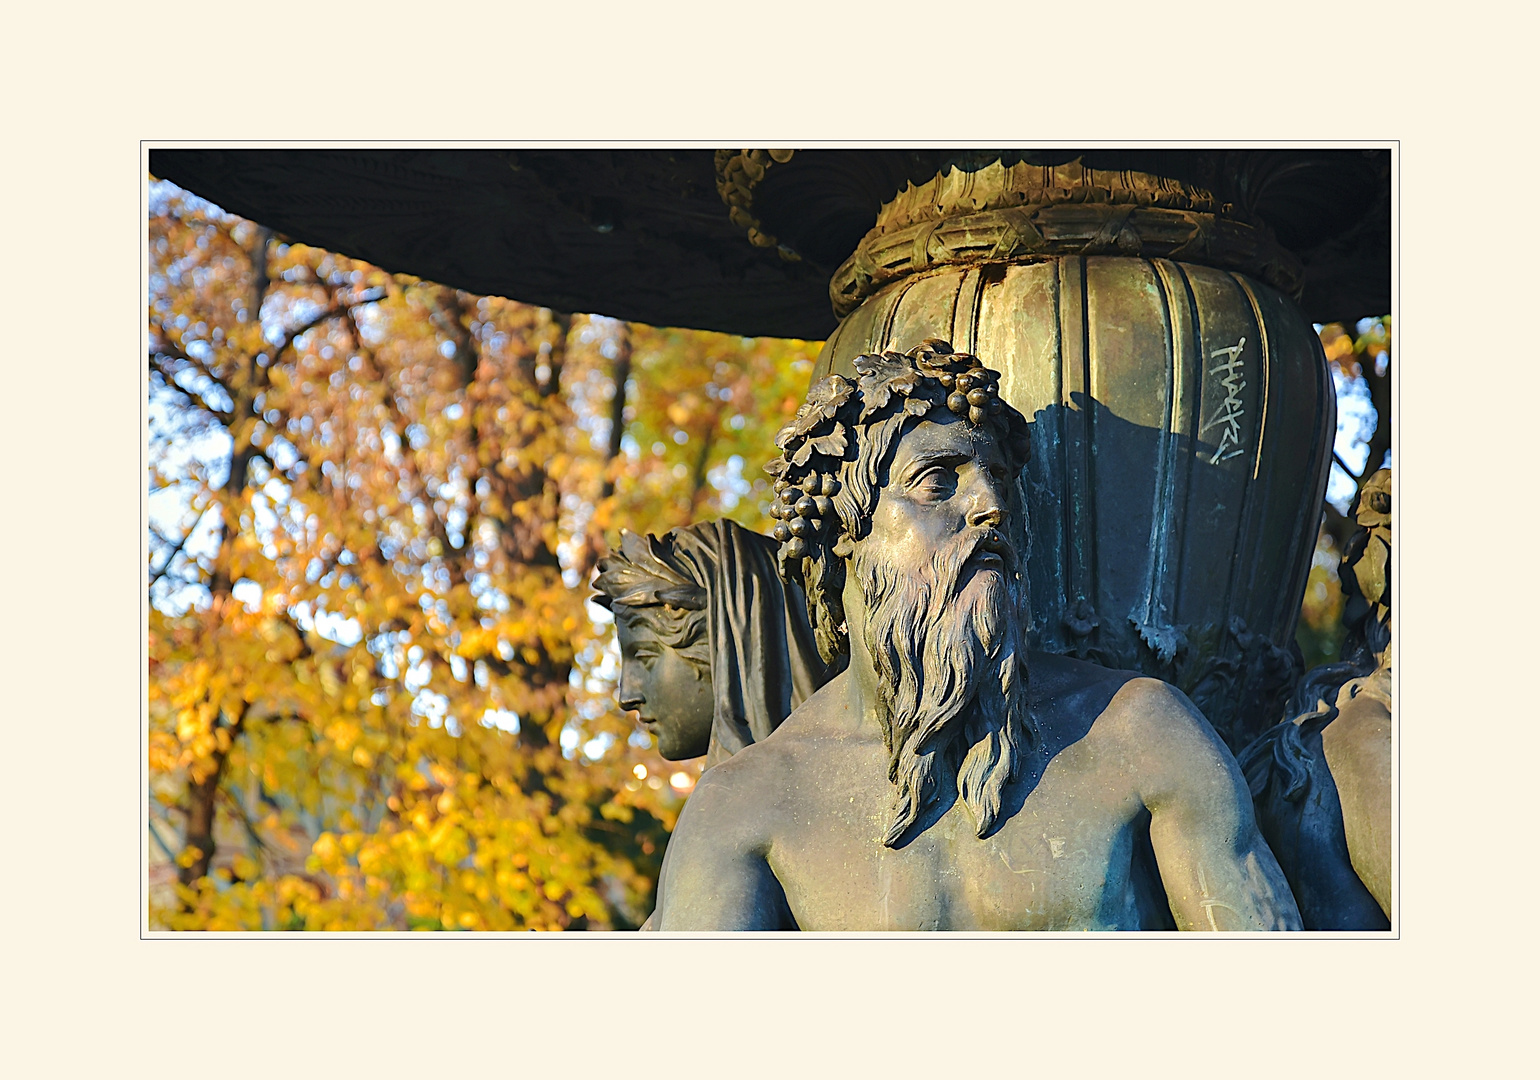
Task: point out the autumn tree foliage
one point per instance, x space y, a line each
378 698
1359 360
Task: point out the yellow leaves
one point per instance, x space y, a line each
199 766
190 723
614 812
397 817
165 752
344 733
325 847
448 842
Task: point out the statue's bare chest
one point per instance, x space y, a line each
1067 859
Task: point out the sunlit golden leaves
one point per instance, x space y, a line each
374 675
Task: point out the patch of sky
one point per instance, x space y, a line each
326 624
502 720
1356 421
249 593
431 706
729 482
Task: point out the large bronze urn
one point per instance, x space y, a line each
1182 410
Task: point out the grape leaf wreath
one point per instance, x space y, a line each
834 451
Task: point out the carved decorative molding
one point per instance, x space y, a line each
1013 213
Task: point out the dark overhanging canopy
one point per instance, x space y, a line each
645 236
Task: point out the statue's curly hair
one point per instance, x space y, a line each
834 451
646 582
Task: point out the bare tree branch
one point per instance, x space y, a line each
160 841
619 375
234 806
180 544
195 398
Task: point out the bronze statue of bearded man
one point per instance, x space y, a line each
947 779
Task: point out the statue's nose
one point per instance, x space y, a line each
989 517
629 694
988 508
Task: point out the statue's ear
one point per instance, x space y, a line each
844 546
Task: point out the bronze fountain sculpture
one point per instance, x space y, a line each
1162 411
948 778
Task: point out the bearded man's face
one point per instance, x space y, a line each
944 615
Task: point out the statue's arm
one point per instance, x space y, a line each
1357 749
1217 870
715 874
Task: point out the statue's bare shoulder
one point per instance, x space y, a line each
770 780
1175 752
716 873
1216 869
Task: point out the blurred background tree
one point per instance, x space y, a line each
378 697
1360 369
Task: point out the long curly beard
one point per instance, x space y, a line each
952 679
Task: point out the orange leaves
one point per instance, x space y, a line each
414 721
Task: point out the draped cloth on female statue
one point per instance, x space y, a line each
764 661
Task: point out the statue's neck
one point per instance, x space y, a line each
863 696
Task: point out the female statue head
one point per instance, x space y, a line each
715 649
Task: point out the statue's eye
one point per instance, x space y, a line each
936 483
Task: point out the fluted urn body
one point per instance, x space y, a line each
1182 412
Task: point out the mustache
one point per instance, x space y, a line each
948 563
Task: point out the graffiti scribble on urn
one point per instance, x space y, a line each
1230 409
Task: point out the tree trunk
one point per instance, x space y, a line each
621 375
201 798
203 794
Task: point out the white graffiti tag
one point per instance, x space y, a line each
1230 410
